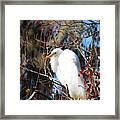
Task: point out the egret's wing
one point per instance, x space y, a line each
70 55
77 62
68 64
81 86
68 70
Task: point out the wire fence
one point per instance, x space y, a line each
38 38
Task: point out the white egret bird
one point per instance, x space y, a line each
65 64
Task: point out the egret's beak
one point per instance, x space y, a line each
49 56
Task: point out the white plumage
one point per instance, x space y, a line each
65 64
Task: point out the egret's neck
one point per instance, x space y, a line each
54 63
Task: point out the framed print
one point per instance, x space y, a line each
60 59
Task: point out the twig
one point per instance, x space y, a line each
82 54
38 91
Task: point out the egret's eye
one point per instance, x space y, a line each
54 53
